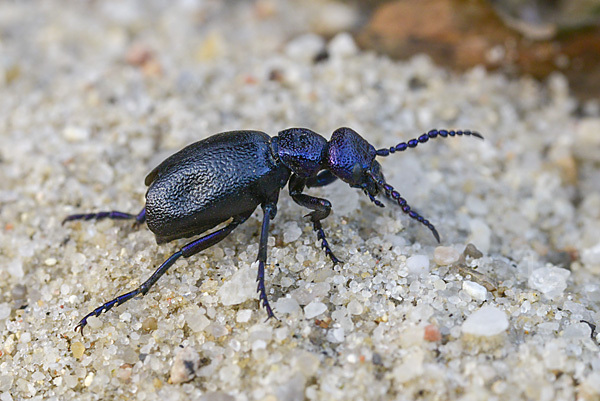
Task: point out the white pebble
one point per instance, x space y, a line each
15 268
591 258
342 45
287 305
196 321
354 307
305 47
480 235
238 288
445 255
550 281
50 262
76 134
4 311
336 335
94 322
243 315
314 309
577 331
291 232
418 264
487 321
89 379
476 291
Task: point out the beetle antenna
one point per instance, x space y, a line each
434 133
391 193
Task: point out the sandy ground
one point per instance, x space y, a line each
94 95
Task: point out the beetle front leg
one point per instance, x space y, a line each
321 209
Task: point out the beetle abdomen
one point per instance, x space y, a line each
210 181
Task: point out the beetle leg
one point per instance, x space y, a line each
188 250
321 209
269 210
114 215
325 177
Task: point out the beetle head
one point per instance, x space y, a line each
350 157
301 150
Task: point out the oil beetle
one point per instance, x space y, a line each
225 177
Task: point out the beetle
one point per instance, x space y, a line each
225 177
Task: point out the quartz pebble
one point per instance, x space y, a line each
487 321
476 291
445 255
418 264
314 309
550 281
237 289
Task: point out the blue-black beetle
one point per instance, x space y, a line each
225 177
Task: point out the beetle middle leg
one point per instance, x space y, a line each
113 215
186 251
269 212
321 209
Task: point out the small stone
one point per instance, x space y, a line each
243 316
354 307
286 305
305 47
342 45
124 372
445 255
432 333
418 264
336 335
76 134
487 321
89 379
94 322
240 287
185 365
587 140
149 324
550 281
50 262
590 257
480 234
472 251
4 311
196 320
577 331
476 291
291 232
314 309
77 348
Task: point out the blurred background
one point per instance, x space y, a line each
535 37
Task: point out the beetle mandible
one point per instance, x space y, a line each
225 177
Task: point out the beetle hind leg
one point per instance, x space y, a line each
113 215
186 251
